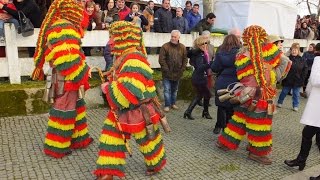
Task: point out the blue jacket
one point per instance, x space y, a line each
193 19
223 64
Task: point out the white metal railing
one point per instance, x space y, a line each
14 67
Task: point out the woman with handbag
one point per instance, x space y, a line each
224 66
199 59
31 10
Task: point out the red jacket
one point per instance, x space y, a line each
9 5
123 13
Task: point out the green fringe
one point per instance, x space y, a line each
240 67
252 114
68 65
119 167
145 73
82 121
230 138
79 139
158 164
80 103
113 98
113 148
62 114
134 90
64 37
81 74
60 132
265 148
258 133
145 139
58 150
157 147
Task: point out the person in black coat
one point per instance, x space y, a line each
31 10
224 66
199 59
295 78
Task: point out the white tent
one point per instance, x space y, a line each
275 16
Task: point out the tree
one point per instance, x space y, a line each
311 4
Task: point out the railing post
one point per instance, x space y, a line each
12 54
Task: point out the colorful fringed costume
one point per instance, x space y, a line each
255 69
59 44
131 95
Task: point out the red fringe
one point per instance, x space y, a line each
148 141
110 133
163 163
57 138
82 144
117 154
80 127
136 76
258 121
155 118
80 109
259 153
113 172
110 100
72 86
72 69
260 138
129 128
132 99
139 57
155 154
62 121
227 143
239 72
53 154
236 129
262 104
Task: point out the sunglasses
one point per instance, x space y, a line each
204 43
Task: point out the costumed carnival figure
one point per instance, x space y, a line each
59 44
134 109
256 65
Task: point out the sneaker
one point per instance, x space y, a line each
166 109
295 109
279 105
175 107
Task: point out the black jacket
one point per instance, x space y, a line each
163 21
29 8
200 64
297 73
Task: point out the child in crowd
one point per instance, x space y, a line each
136 17
6 18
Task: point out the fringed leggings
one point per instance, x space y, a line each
258 127
111 158
67 126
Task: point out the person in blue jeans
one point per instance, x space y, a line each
295 78
173 61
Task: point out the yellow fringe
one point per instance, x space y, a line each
257 127
60 126
261 144
59 34
71 76
233 134
271 51
80 133
156 159
109 122
143 133
102 160
81 116
238 119
151 145
137 63
60 48
245 74
119 97
239 62
111 140
138 84
273 78
57 144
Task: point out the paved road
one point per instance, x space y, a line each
190 150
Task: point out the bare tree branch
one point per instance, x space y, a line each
309 9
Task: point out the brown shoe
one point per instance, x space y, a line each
221 146
260 159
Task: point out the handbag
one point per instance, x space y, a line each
26 27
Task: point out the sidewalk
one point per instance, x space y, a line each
191 153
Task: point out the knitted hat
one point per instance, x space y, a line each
126 35
69 10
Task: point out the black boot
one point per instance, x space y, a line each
205 112
187 113
296 162
216 130
315 178
200 103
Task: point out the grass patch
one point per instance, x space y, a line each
13 103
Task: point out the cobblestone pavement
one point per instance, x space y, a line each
190 150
